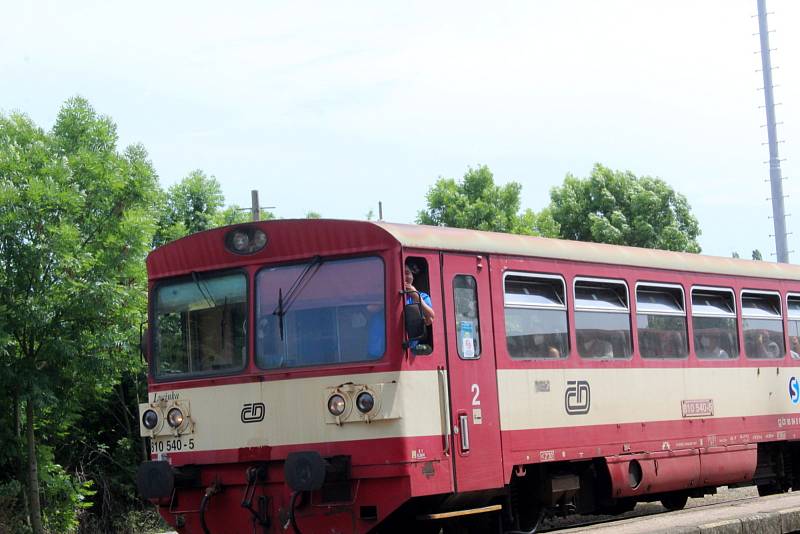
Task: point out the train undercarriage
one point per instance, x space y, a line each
203 501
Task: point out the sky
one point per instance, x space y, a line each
334 106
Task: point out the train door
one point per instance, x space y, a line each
475 419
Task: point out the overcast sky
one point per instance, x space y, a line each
333 106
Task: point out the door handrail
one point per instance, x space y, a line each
444 408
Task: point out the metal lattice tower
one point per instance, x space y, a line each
776 180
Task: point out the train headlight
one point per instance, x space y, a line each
240 241
175 418
336 405
149 419
245 240
259 240
365 402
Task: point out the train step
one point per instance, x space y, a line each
461 513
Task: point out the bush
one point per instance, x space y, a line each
12 509
144 521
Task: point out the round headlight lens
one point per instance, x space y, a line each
149 419
240 241
336 405
259 240
365 402
175 418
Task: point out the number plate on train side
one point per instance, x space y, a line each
172 445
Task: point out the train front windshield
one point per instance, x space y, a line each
200 326
320 312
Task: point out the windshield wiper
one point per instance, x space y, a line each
279 312
203 288
294 290
222 323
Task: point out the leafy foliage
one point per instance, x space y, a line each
477 202
12 511
63 495
607 207
620 208
195 204
77 217
190 206
75 225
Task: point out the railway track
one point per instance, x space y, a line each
725 495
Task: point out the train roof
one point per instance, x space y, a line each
458 239
298 238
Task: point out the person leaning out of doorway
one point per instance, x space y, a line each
413 296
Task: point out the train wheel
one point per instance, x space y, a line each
474 525
769 489
621 506
674 501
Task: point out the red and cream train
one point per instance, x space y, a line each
292 388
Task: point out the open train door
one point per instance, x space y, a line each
475 418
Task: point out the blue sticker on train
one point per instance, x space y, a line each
794 390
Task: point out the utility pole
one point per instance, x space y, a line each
776 180
256 210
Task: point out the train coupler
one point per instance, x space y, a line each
255 475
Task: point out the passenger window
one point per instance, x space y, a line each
661 322
602 319
762 325
468 331
536 317
714 324
793 309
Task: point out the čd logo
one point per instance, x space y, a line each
577 398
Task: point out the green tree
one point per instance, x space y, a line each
75 225
192 205
477 202
620 208
756 255
234 214
313 215
195 204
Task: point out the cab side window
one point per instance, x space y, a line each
419 269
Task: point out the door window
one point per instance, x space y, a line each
468 332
